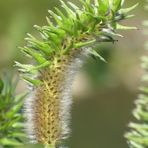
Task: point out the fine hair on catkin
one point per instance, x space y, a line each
49 105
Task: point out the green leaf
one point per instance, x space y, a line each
38 45
18 125
67 9
110 32
121 27
83 44
122 2
127 10
18 134
26 68
60 13
14 110
93 52
36 55
73 6
116 4
20 97
87 6
11 142
103 7
129 16
34 82
56 17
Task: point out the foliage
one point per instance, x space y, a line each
11 119
137 137
92 24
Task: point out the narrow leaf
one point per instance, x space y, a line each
126 10
121 27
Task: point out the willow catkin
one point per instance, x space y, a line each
58 55
48 108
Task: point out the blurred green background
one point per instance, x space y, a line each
103 92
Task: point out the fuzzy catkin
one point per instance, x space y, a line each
48 108
58 56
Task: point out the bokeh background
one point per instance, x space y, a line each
103 92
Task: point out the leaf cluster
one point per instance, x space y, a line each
11 119
73 28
